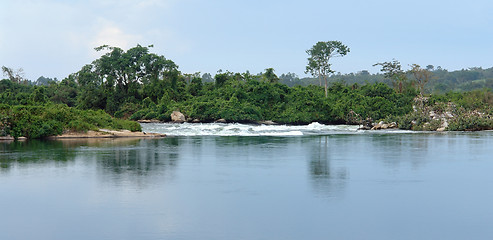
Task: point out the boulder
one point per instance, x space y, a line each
222 120
377 126
443 126
177 117
432 114
268 122
382 125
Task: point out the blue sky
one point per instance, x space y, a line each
54 38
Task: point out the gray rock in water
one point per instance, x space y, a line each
222 120
268 122
177 117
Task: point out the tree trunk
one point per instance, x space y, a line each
325 86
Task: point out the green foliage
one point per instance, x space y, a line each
467 122
36 121
319 56
393 71
412 121
136 84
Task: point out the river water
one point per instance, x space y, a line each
234 181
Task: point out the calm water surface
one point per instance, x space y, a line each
334 186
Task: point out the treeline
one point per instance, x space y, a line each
442 80
137 84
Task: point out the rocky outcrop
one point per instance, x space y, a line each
178 117
382 125
106 133
444 125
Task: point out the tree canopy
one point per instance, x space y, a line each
319 56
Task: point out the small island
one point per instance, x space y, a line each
108 97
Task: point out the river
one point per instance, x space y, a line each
235 181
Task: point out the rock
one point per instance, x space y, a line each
443 126
6 138
148 121
383 125
377 127
196 120
445 123
177 117
268 122
222 120
432 114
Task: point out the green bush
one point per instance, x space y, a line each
80 126
470 123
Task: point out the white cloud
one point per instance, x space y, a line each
111 34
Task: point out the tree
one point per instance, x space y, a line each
131 68
319 56
91 94
271 76
16 76
422 76
393 71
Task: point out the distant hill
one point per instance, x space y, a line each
442 81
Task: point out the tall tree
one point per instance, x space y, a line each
422 76
319 56
16 76
393 71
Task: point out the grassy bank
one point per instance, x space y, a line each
39 121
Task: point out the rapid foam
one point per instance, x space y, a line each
237 129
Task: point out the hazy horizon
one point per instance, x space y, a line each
54 38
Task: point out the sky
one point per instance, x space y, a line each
54 38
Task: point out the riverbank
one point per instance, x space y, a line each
105 133
101 133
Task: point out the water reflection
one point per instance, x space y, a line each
25 153
117 160
328 179
137 163
398 150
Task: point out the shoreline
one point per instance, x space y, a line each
105 133
101 134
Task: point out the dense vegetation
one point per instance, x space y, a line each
442 80
137 85
38 121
